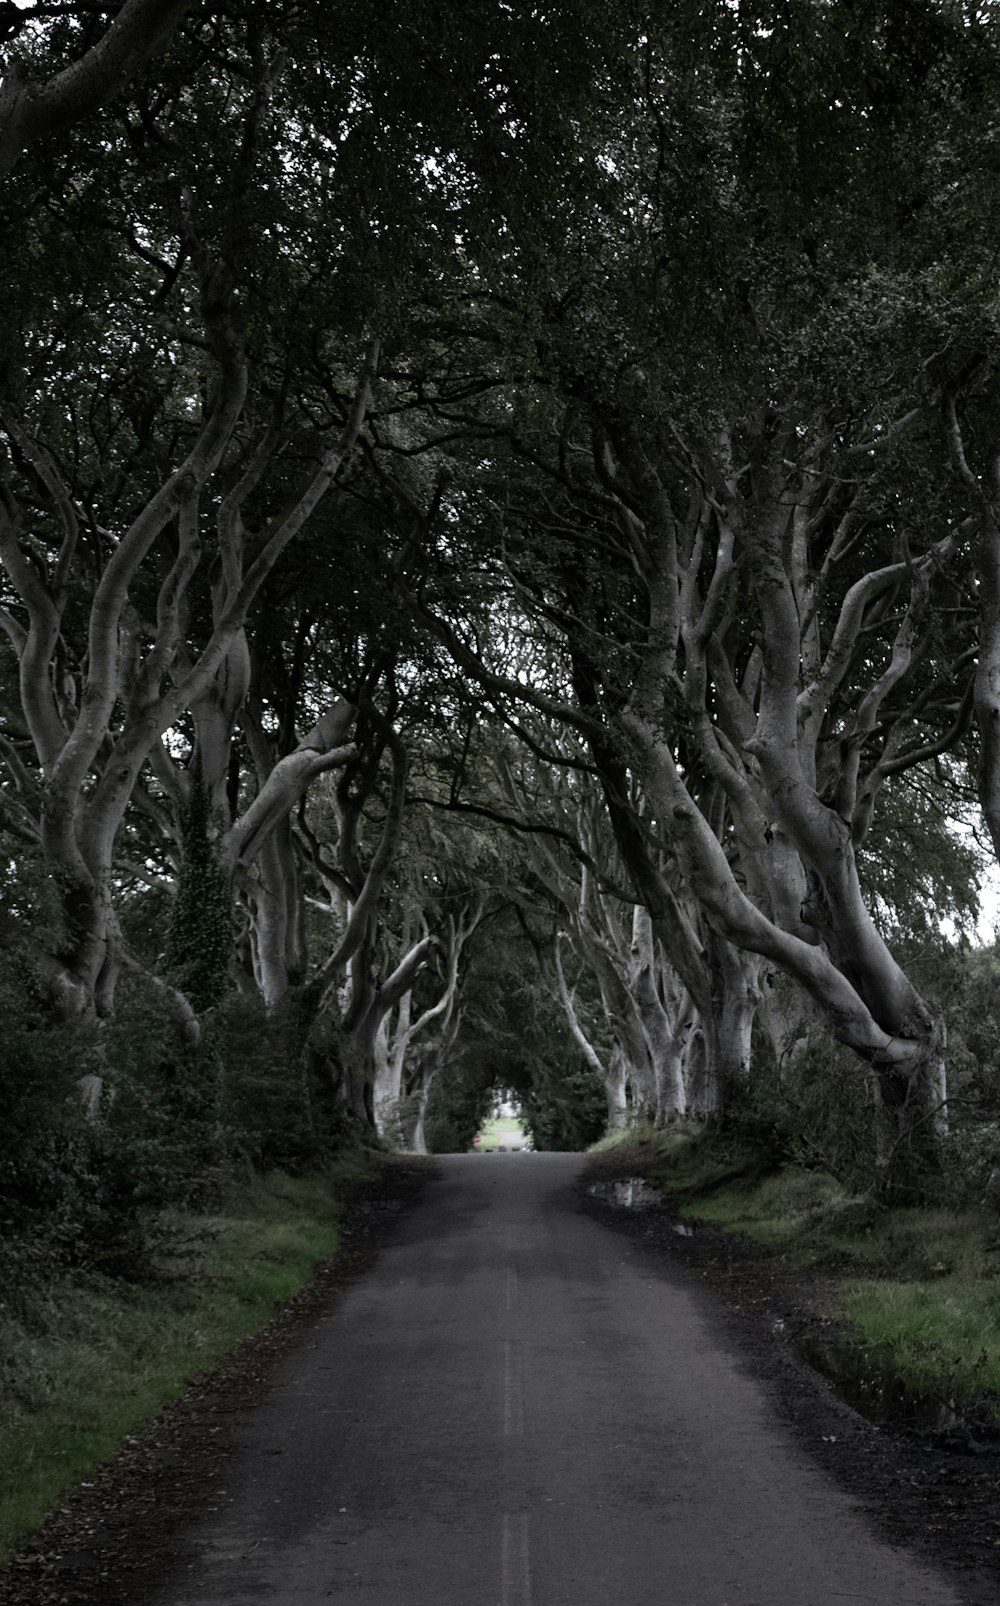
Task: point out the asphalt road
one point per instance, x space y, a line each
517 1407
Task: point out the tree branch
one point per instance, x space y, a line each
32 111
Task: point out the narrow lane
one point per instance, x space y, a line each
517 1407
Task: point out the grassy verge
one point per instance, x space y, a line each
88 1361
919 1289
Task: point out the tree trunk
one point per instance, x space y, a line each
418 1141
274 899
659 1025
704 1095
735 996
854 979
615 1079
418 1099
390 1051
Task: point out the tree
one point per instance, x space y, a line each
405 1068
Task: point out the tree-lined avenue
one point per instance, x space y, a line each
517 1407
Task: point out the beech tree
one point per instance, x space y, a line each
414 1042
648 1017
95 726
207 337
155 473
755 723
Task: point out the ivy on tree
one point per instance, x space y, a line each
199 936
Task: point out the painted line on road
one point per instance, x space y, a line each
513 1391
515 1560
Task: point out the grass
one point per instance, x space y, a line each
918 1289
88 1361
940 1339
501 1131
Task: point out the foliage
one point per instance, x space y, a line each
47 1161
816 1107
83 1190
916 1288
921 862
172 1126
514 1040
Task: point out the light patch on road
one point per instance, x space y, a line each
510 1291
515 1560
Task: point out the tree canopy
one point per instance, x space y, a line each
502 493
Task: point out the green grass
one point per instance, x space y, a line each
87 1361
940 1338
919 1289
501 1131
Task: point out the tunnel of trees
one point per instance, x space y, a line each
500 584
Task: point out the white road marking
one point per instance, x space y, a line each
513 1392
515 1561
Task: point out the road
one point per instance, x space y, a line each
518 1407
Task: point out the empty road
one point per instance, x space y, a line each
517 1407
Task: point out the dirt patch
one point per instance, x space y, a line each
113 1537
943 1502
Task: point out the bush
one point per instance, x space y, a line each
170 1128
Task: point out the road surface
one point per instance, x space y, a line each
518 1407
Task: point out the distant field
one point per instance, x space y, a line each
502 1131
